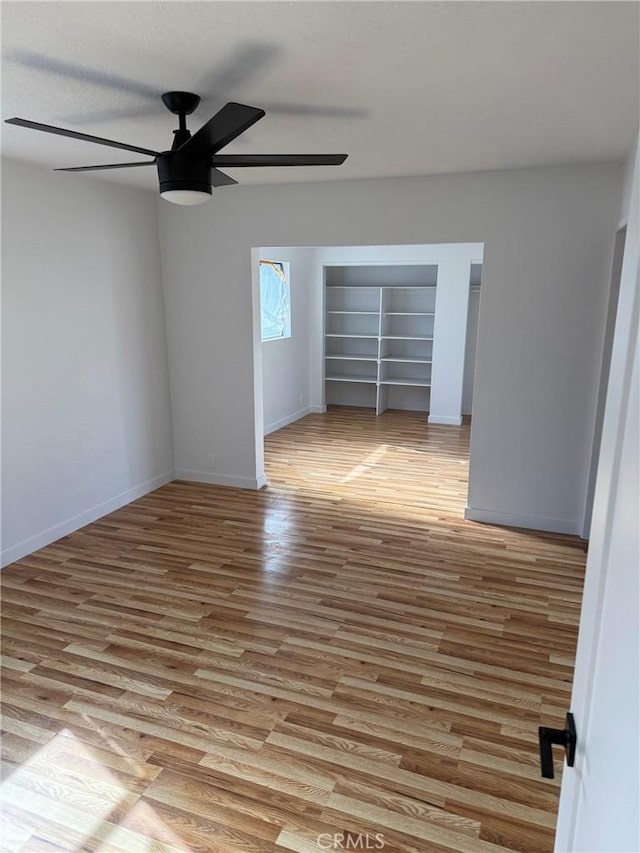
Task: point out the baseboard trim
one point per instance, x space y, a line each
211 478
64 528
283 422
529 522
445 421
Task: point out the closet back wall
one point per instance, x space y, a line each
548 236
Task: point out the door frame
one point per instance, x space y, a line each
607 482
612 310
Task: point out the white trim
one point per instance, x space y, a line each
615 282
258 405
283 422
64 528
261 481
445 420
530 522
213 479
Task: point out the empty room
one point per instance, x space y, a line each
320 440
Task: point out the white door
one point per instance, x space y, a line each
600 796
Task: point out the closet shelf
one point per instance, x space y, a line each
407 360
345 378
407 313
368 313
357 287
418 383
342 335
406 338
352 357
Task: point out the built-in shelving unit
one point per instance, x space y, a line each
379 332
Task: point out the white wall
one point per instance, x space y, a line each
86 423
548 239
286 363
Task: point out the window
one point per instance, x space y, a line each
275 301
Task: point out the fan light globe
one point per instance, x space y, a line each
185 196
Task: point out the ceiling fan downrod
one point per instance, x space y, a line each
181 104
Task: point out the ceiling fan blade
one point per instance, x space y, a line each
71 71
219 179
84 137
229 122
106 166
234 160
248 60
320 110
96 116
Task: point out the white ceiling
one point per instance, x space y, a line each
405 88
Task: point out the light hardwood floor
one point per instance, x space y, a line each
211 669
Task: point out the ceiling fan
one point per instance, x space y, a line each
191 168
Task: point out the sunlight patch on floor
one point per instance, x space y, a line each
64 786
364 467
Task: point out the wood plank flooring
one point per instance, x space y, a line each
336 662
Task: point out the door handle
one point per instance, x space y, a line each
563 737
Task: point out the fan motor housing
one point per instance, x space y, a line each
176 172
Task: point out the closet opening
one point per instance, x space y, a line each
375 331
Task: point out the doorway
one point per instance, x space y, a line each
612 309
419 305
